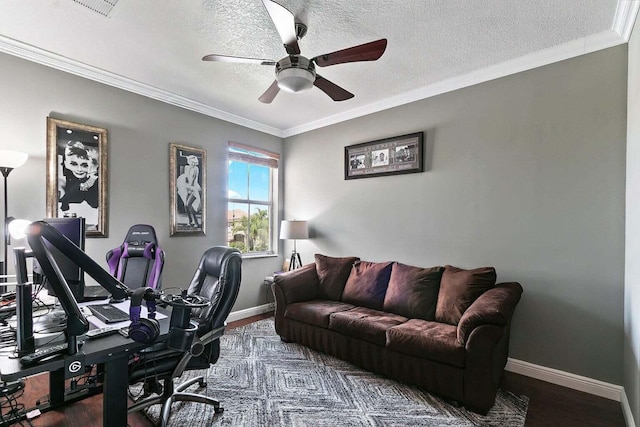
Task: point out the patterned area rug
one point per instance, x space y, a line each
262 381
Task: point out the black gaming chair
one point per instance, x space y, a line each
138 262
217 279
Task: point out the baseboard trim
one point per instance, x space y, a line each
575 382
626 410
566 379
248 312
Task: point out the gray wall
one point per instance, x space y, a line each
525 173
632 264
139 133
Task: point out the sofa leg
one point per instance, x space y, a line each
448 400
476 409
285 339
454 403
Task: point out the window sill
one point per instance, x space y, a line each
257 256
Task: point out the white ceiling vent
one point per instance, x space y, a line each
103 7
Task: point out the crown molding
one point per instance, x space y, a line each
624 20
537 59
49 59
625 17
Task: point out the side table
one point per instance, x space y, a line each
267 282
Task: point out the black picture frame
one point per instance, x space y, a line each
390 156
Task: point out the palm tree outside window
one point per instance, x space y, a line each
252 175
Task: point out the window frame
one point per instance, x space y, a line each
256 156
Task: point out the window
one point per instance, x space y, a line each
251 206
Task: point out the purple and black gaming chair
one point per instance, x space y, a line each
139 260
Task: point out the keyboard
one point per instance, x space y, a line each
43 353
108 313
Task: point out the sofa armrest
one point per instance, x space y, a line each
295 286
494 307
291 287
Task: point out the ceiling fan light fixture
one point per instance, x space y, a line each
294 72
295 79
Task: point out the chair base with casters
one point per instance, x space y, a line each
194 341
170 395
170 391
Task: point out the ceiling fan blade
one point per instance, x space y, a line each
364 52
238 59
333 90
285 24
270 93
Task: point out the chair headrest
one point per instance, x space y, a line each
139 249
212 260
141 233
140 241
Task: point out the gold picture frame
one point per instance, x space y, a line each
77 174
187 190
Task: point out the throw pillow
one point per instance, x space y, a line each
413 291
332 275
459 289
367 284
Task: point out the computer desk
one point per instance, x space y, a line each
113 351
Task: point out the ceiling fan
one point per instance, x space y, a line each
295 72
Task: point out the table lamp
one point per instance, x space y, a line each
292 229
9 160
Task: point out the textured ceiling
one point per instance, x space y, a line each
154 47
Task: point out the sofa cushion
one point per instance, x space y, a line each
459 289
429 340
413 291
332 275
367 284
315 312
365 323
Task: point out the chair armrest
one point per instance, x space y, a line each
295 286
494 307
213 334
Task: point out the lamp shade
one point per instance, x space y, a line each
12 159
292 229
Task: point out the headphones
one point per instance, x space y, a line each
143 330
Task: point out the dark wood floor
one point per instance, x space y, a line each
549 404
553 405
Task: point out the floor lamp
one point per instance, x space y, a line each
292 229
9 160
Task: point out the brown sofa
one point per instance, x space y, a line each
443 329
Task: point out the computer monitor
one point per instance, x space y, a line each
43 238
74 230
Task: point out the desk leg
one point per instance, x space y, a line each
56 387
114 410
